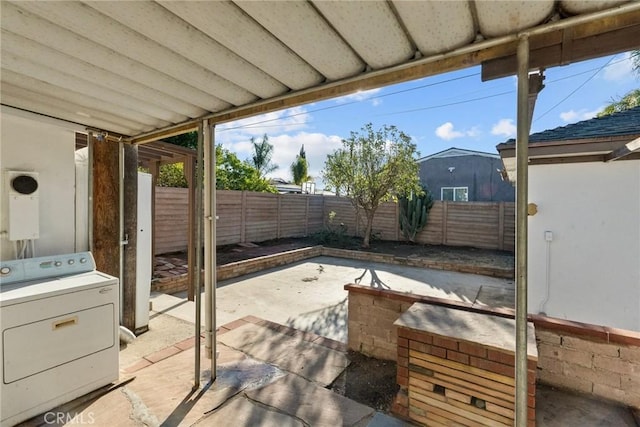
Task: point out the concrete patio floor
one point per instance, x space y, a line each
309 295
275 375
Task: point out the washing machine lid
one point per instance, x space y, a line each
21 292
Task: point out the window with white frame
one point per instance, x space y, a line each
456 194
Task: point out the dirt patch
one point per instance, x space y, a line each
474 256
369 381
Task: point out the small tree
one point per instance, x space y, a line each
414 212
234 174
300 168
372 167
627 102
262 153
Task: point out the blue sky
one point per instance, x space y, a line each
449 110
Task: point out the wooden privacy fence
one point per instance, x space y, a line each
255 217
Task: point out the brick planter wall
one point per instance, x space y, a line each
593 360
458 374
180 283
600 361
461 267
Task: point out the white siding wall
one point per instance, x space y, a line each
593 211
40 146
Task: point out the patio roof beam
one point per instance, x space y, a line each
627 149
570 45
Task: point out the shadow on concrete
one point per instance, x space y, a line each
375 280
328 322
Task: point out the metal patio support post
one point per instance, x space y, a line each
197 281
210 244
522 160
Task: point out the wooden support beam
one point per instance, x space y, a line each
130 248
106 215
190 176
570 49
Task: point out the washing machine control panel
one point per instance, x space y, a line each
21 270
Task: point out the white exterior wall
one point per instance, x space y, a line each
29 143
593 268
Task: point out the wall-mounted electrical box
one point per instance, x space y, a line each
23 203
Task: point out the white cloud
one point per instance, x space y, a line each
362 95
316 147
287 146
447 132
619 71
582 114
275 122
504 127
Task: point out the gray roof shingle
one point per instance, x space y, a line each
617 124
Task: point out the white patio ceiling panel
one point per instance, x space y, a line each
371 29
497 18
238 32
437 27
137 67
299 26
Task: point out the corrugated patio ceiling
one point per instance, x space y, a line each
136 68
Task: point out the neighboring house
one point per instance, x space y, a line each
283 186
584 240
465 176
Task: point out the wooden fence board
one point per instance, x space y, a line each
255 217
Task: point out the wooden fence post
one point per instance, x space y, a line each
445 209
243 215
501 226
306 225
397 222
278 216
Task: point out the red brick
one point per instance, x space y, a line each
445 342
186 344
403 333
140 364
472 349
531 376
458 357
162 354
531 401
403 342
403 361
403 372
403 352
437 352
498 356
402 381
491 366
420 337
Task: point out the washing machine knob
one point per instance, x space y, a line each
57 263
71 262
5 270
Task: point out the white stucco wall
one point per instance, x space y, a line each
593 273
46 146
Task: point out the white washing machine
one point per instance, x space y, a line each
59 321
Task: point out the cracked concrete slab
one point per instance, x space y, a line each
311 361
315 405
